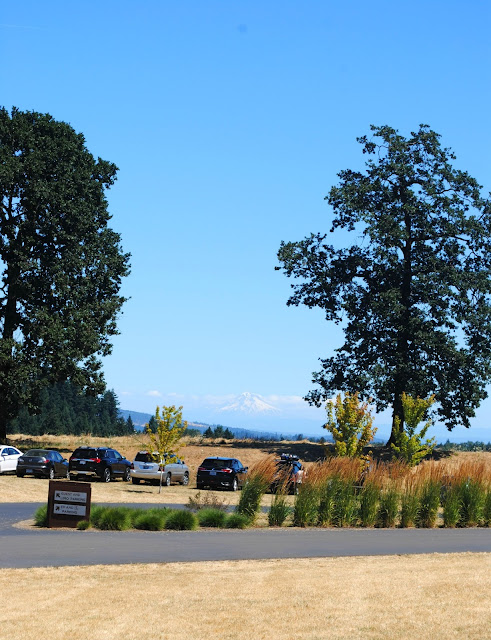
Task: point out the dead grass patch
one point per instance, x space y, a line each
410 597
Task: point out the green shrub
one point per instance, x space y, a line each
306 508
150 519
369 500
345 503
409 508
41 516
388 508
451 506
115 519
237 521
82 525
327 496
279 510
211 518
429 501
409 445
487 509
472 497
258 482
180 520
96 513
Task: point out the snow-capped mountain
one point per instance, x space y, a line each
250 403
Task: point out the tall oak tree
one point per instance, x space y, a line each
412 292
61 264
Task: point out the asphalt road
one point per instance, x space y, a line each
39 548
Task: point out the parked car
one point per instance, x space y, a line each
98 462
221 473
42 463
146 468
289 471
8 458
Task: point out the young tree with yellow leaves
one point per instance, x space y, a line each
351 425
165 440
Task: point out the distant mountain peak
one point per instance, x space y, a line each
252 403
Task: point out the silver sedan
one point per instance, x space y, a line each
145 468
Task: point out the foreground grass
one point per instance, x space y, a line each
427 596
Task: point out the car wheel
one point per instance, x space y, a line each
168 480
127 475
185 480
235 484
136 480
51 474
21 474
106 476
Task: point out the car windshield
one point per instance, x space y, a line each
37 453
213 463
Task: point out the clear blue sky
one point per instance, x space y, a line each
229 121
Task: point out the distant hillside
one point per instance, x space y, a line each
140 420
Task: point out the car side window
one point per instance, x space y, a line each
117 455
109 454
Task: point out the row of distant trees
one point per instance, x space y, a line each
65 410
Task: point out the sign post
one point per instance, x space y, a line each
68 503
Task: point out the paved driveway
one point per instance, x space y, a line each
27 548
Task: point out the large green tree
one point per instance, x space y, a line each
412 292
61 264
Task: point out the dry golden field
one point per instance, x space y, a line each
422 597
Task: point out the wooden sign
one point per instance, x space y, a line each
68 503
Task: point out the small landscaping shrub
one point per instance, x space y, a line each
211 518
82 525
237 521
115 519
258 482
472 498
180 520
451 506
41 516
388 508
306 508
280 509
345 503
150 519
428 503
369 501
327 495
96 513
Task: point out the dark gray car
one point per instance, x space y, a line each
42 463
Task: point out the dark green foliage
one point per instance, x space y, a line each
237 521
279 510
96 514
250 497
41 516
429 501
61 264
345 503
451 506
83 525
150 519
64 409
472 500
181 520
369 500
211 518
115 519
208 433
388 508
413 289
306 507
486 516
327 499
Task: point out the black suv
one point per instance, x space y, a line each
98 462
289 472
221 473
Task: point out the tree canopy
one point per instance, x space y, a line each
61 264
413 290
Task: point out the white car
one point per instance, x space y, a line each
145 468
8 458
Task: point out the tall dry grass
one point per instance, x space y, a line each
259 479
